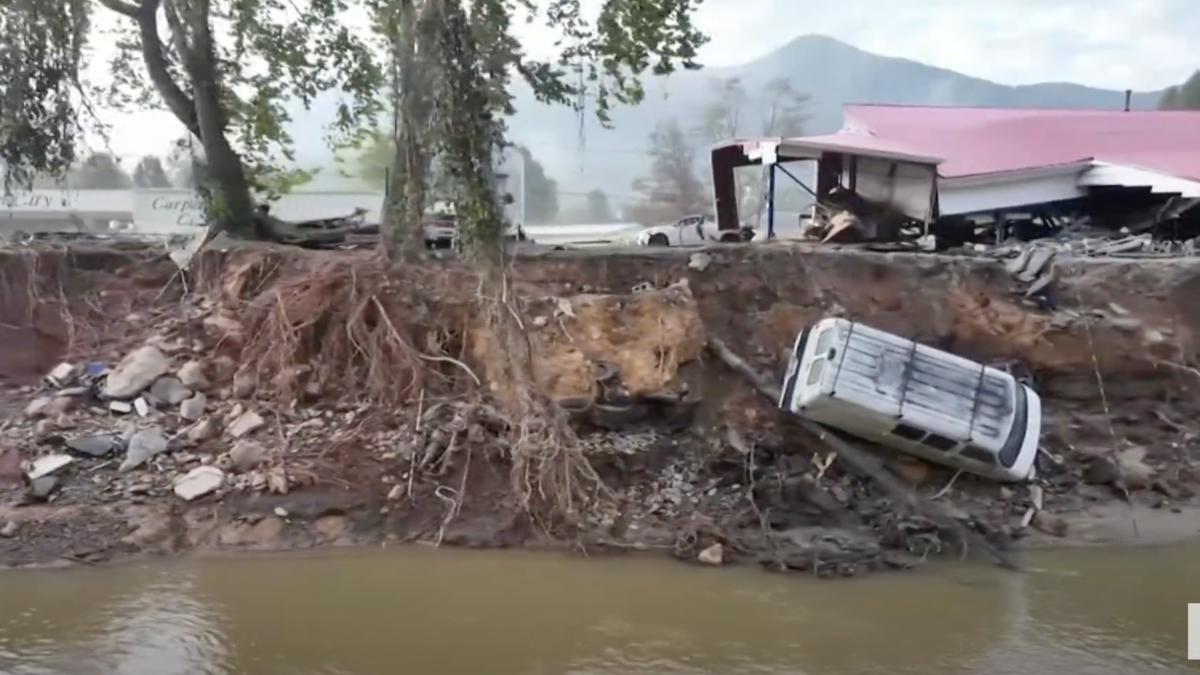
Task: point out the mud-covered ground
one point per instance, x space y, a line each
323 455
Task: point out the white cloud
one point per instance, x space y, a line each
1116 44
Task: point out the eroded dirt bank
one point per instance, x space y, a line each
327 402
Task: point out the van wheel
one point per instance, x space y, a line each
730 238
658 239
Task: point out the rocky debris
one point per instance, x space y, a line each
38 406
43 488
136 372
247 455
9 529
699 262
713 555
48 464
192 376
170 390
144 445
199 482
192 409
201 431
120 407
97 445
245 424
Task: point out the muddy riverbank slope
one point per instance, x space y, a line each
278 399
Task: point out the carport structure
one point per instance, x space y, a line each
876 169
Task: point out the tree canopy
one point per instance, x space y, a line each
1183 97
671 189
780 110
598 208
226 68
149 173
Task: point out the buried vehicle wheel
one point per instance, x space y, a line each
658 239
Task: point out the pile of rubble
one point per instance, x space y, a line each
130 417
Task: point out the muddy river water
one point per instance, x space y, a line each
446 612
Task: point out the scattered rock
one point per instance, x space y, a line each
1135 474
221 369
96 445
1050 524
60 405
170 390
144 445
193 408
713 555
9 530
395 493
247 455
198 482
141 406
62 375
136 372
1101 471
191 375
44 466
42 488
43 430
246 424
202 431
281 512
38 406
120 407
243 383
699 261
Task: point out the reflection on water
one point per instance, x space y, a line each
452 613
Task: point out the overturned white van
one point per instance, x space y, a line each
892 391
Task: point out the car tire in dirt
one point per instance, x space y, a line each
731 238
658 239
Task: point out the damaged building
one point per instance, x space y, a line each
985 175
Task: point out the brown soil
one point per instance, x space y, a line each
380 425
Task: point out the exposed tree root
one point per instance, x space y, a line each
338 324
554 481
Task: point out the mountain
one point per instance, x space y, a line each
581 155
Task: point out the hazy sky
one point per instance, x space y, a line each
1116 44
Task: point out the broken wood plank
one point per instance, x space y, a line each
866 465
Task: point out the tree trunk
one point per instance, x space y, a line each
230 202
402 231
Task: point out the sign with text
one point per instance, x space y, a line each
1193 629
37 200
167 211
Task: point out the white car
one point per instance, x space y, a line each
440 231
691 231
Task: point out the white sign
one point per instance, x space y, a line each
37 200
1193 629
166 211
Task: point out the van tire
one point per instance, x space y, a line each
731 238
658 239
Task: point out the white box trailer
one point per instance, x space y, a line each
890 390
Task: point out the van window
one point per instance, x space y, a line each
908 433
940 442
815 370
824 341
